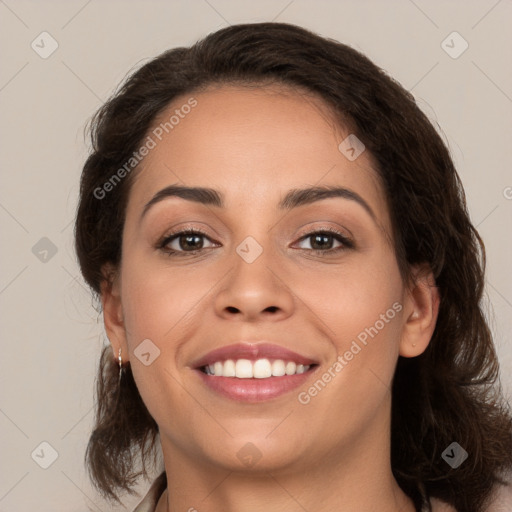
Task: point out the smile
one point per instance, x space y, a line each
259 369
253 372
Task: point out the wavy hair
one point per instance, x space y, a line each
450 392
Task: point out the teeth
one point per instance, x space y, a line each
229 369
217 368
290 368
278 368
259 369
243 369
262 369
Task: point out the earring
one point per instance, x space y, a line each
120 362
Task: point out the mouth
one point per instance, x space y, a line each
259 369
253 372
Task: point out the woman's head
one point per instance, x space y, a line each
388 313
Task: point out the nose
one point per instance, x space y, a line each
254 291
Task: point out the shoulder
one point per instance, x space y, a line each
441 506
502 498
149 502
501 501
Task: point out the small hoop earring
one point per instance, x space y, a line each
120 362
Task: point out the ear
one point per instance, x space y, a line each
421 307
113 311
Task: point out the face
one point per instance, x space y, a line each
271 280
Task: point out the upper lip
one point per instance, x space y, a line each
251 351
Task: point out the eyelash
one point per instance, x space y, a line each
347 242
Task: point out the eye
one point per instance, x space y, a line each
189 241
323 241
192 241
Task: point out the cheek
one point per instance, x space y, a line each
362 309
355 296
157 299
157 303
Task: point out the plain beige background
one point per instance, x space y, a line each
51 332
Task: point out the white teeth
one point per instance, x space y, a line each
217 368
259 369
243 369
290 368
278 368
229 369
262 369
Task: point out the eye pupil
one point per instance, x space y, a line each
319 241
187 241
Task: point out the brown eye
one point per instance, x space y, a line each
190 242
323 242
183 242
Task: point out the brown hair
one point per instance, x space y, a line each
450 392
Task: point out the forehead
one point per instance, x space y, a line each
252 144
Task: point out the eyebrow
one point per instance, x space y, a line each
293 198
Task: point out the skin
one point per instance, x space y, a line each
254 145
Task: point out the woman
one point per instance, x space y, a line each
290 285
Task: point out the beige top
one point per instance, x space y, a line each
502 503
149 502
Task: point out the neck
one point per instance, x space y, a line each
353 478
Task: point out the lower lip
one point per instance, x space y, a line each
254 390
